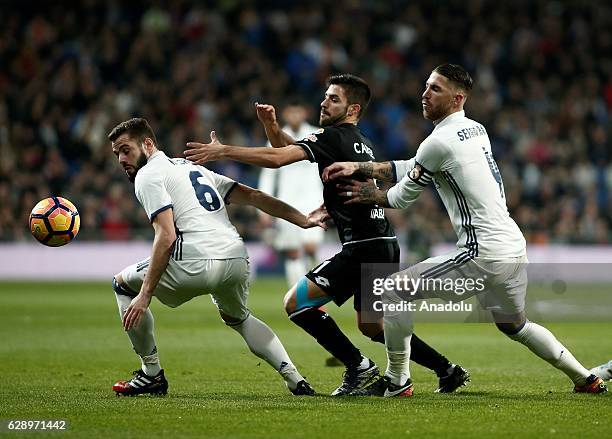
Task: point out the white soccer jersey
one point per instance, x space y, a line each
297 184
197 198
457 157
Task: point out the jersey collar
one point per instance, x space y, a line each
156 155
450 119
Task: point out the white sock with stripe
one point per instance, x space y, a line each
142 337
264 343
398 332
543 343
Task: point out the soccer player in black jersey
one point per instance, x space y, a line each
365 233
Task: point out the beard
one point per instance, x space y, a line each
142 160
436 113
329 120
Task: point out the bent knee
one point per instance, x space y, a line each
230 320
509 328
120 287
289 301
509 324
370 329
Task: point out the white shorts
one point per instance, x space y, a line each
289 236
500 285
226 280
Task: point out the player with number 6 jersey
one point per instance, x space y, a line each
195 195
196 251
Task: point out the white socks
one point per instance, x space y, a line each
398 332
142 338
264 343
543 343
294 270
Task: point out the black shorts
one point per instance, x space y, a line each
343 276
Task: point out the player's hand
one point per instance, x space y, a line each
135 310
318 217
266 114
205 152
339 170
363 192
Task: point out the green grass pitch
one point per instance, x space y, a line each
62 348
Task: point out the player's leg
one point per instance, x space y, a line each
506 300
384 260
398 319
545 345
398 327
321 285
142 335
294 265
230 297
451 376
310 254
288 243
150 378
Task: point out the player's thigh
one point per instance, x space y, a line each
231 292
506 288
453 276
176 285
373 264
337 277
304 294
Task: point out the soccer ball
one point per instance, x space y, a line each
54 221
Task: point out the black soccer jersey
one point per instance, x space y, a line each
345 143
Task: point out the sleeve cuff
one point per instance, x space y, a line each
308 151
158 211
394 170
229 191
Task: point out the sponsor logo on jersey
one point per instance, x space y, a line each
377 213
311 137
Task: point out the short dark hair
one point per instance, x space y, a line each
457 75
136 128
357 89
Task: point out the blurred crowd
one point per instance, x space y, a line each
70 71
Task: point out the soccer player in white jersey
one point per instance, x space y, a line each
299 185
196 251
457 158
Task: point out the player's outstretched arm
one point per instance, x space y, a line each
200 153
267 116
165 235
246 195
380 171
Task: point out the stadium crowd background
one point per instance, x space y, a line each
69 71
